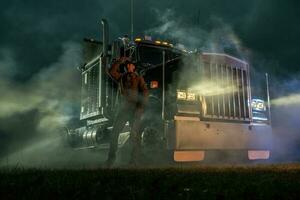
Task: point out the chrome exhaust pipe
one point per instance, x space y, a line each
268 97
105 38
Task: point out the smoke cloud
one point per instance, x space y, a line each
292 99
39 95
285 117
209 88
48 92
287 92
41 107
219 38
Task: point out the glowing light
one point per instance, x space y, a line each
181 95
147 37
211 88
138 39
293 99
258 104
165 43
191 96
188 156
154 84
258 155
157 42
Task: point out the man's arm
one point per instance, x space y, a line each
114 71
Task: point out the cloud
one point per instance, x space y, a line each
220 38
292 99
7 64
39 83
41 106
46 90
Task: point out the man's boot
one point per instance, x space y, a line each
133 160
110 160
135 157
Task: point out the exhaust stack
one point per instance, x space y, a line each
268 97
103 64
105 38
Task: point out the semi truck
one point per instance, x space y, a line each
198 101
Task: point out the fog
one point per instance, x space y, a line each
34 112
285 118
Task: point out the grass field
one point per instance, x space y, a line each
181 182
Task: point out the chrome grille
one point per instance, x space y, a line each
90 91
228 78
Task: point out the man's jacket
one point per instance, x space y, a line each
133 87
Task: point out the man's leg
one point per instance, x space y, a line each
135 135
118 125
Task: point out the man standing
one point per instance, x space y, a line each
134 96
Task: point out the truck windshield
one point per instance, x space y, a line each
153 55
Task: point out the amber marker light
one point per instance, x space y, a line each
153 84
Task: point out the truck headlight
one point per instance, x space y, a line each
253 104
258 104
181 95
191 96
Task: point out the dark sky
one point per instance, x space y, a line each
34 30
40 48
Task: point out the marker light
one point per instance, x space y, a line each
138 39
157 42
165 43
147 37
153 84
